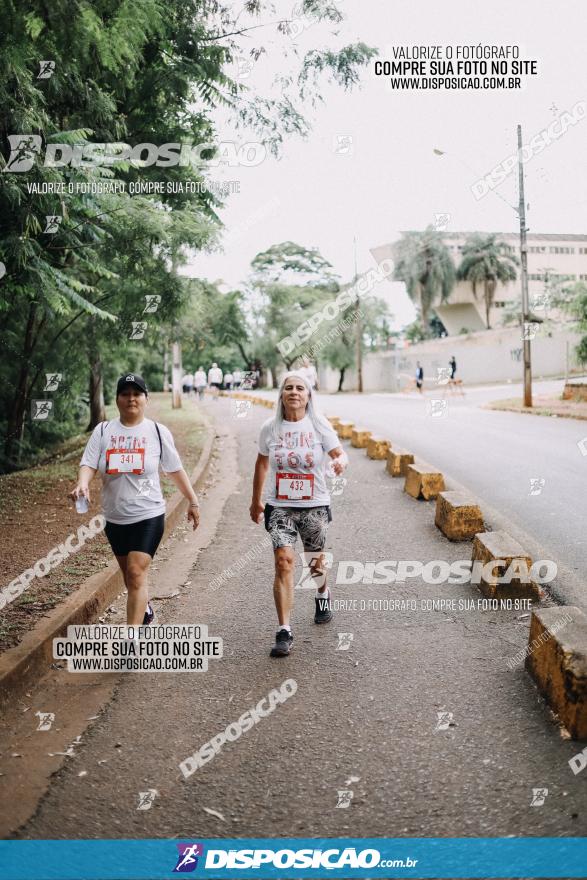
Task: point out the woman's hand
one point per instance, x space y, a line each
339 460
80 490
256 510
194 515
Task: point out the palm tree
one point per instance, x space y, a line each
424 264
486 260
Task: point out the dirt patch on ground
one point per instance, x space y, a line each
543 406
36 515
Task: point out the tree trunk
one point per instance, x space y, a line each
341 378
166 367
15 427
176 376
96 381
487 304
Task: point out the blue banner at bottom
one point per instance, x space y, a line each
529 857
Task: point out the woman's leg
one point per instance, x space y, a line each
137 570
122 561
283 585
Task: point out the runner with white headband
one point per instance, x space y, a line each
292 449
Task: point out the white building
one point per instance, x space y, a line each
550 256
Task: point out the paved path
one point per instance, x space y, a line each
364 720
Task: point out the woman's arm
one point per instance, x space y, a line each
85 477
340 459
261 468
182 481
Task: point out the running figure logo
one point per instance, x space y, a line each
443 375
344 641
537 484
344 799
52 223
146 798
538 796
138 329
24 148
445 720
41 410
46 69
52 381
153 300
187 860
46 719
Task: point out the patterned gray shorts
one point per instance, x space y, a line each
284 524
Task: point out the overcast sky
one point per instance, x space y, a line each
390 179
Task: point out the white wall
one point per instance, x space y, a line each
488 356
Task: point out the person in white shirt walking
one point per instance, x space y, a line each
215 379
293 450
200 382
228 381
128 452
237 378
187 383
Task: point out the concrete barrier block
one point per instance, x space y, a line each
398 461
457 516
360 438
423 482
334 421
345 430
498 545
377 448
557 661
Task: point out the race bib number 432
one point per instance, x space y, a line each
124 461
294 487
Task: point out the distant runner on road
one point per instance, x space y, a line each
128 451
419 376
215 379
292 449
200 382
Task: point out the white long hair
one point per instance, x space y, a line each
319 421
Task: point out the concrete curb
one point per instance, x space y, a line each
22 665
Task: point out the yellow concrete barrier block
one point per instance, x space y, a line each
360 438
345 430
499 546
334 421
557 661
423 481
457 516
377 448
398 461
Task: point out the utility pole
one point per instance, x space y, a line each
524 278
359 352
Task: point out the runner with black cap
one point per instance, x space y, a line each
128 451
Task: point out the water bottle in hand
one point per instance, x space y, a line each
82 504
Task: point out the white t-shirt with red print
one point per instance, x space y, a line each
128 457
297 463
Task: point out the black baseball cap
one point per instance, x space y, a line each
131 379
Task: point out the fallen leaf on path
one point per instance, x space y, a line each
214 813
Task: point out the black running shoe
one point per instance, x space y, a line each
149 615
323 610
283 643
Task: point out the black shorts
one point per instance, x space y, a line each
215 384
144 536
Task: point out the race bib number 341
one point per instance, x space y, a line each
124 461
294 487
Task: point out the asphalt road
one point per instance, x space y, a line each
368 720
496 455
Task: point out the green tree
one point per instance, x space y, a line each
485 261
424 264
